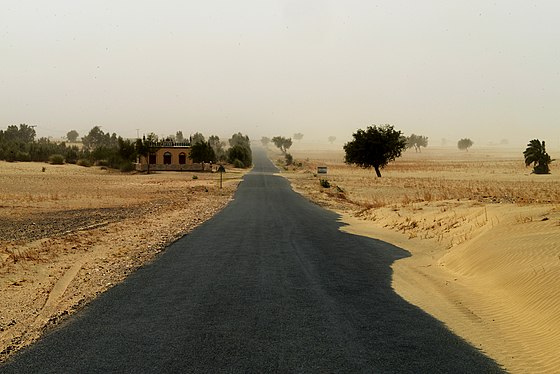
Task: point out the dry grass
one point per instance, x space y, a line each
69 233
428 195
429 177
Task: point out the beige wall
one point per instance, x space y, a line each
174 166
175 151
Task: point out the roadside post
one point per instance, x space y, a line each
221 170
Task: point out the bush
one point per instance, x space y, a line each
195 177
83 162
22 156
56 159
289 159
71 155
126 166
238 164
324 183
240 154
102 163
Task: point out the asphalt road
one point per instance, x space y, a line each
270 284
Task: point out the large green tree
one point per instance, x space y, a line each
374 147
536 154
202 152
97 138
239 139
240 152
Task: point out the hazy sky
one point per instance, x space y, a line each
446 69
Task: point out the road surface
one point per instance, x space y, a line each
270 284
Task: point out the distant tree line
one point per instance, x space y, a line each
18 143
213 150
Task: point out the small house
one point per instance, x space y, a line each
170 156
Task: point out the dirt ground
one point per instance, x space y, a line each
483 234
68 233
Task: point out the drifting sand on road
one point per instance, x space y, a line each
484 239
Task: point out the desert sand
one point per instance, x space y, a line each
482 231
69 233
483 235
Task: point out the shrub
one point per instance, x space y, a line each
102 163
289 159
83 162
324 183
126 166
56 159
71 155
238 164
195 177
242 154
22 156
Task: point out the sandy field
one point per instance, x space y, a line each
483 235
69 233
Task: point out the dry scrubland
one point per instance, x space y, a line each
483 234
69 233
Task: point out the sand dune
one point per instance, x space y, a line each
484 238
517 266
500 290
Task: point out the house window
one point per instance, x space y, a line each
152 159
182 158
167 158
